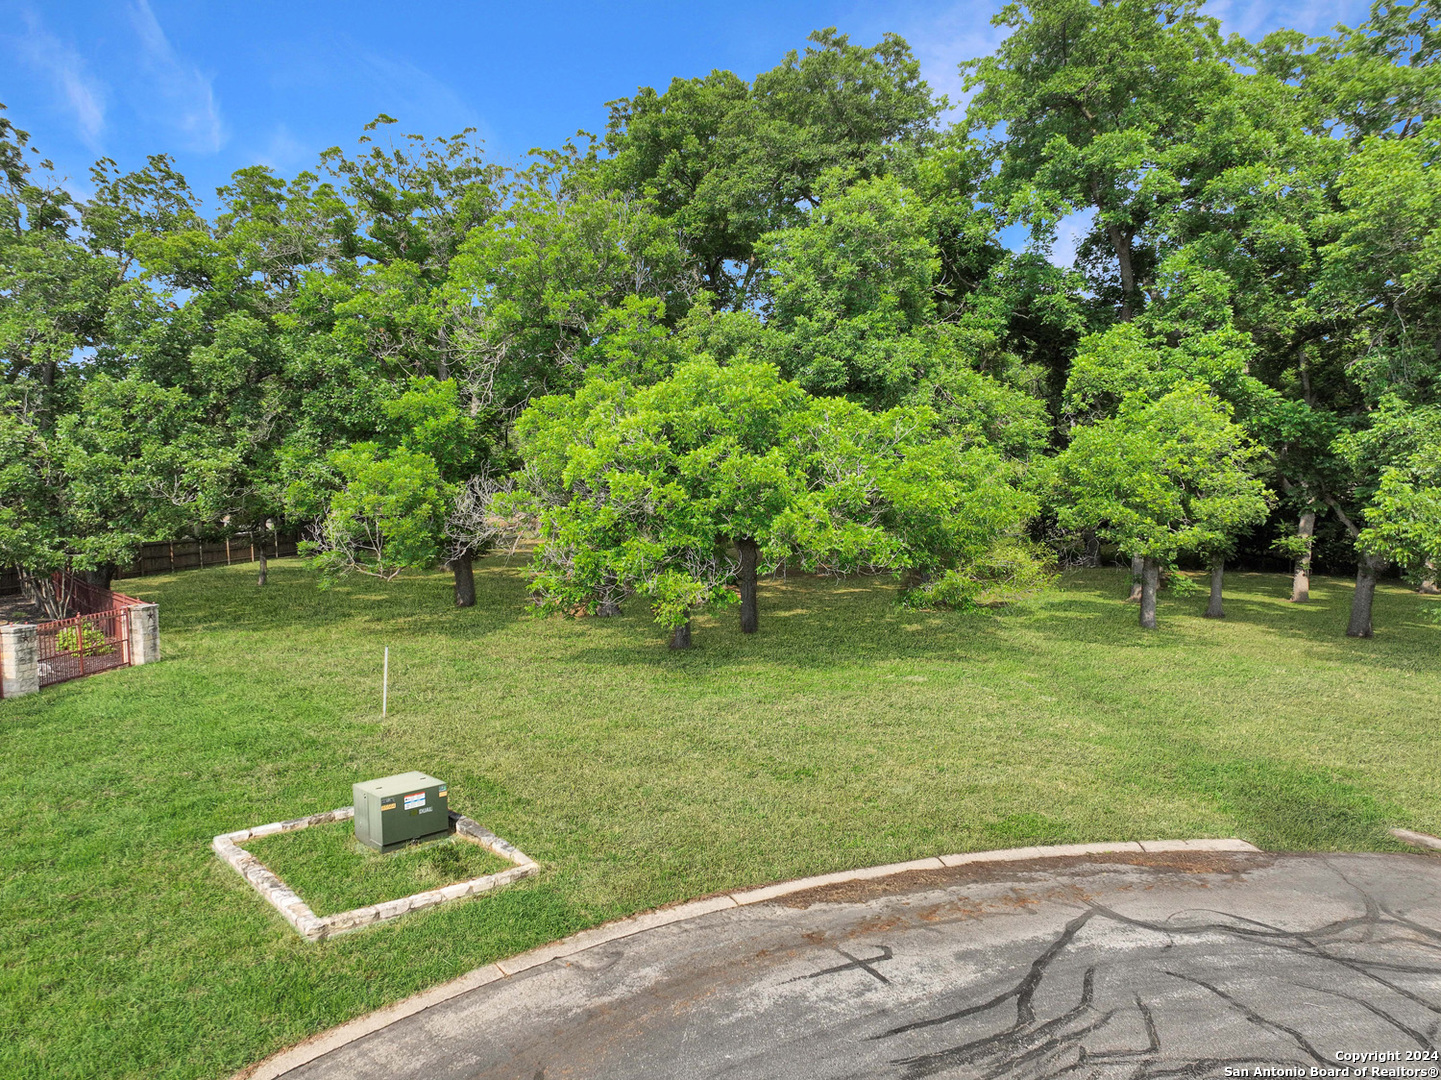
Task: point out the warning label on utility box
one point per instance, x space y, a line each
412 801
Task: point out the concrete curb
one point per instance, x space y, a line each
1417 839
278 1065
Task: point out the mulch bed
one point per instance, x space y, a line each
18 609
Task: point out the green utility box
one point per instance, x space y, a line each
398 810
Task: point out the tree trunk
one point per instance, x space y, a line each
1301 583
911 578
680 637
1428 583
1091 548
1137 565
1218 579
1362 599
609 606
1120 244
100 578
264 566
750 556
463 567
1150 582
41 590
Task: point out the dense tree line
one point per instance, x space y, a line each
772 323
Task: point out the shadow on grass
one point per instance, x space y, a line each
806 623
294 600
1284 806
812 624
1406 638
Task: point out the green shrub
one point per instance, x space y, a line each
1012 570
86 635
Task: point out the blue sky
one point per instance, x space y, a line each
223 85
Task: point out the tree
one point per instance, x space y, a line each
1381 274
391 417
53 288
851 303
397 222
387 516
725 162
407 499
1185 338
643 488
1161 478
1317 129
646 489
847 289
1098 106
1392 476
540 291
93 465
1403 518
206 309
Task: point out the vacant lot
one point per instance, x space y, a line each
848 732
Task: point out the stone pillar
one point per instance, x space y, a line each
144 633
19 659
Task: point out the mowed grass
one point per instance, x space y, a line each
333 872
848 732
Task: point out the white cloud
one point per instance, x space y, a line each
961 32
82 93
940 37
1070 231
1255 18
181 85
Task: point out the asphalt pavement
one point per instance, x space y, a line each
1128 965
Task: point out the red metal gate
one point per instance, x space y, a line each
83 645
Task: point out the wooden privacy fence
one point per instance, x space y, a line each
167 557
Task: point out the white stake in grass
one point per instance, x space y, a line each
385 684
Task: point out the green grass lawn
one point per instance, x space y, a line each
847 732
333 872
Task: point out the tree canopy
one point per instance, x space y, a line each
773 324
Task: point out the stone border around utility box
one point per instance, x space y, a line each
313 927
318 1045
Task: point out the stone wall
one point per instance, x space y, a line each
144 634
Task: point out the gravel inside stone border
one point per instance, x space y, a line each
312 927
